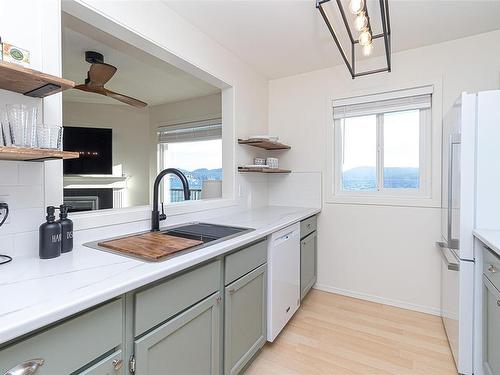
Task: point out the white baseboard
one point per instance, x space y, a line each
377 299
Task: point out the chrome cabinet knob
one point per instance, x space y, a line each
498 302
492 268
117 364
27 368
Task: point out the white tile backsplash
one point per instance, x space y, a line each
22 187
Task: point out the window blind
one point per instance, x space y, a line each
389 102
191 131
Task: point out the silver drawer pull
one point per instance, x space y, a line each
26 368
492 268
498 302
117 364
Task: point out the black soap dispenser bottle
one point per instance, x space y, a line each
50 236
66 229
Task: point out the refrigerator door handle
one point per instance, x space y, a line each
443 249
455 139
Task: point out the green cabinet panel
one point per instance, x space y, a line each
244 319
245 260
188 344
491 328
308 263
160 302
70 345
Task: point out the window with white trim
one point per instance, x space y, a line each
382 145
196 149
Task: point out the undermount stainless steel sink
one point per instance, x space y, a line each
206 232
209 234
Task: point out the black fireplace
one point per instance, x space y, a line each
88 199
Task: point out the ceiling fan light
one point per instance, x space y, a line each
365 38
360 22
356 6
367 50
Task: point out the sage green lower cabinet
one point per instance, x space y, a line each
67 347
244 319
491 328
308 263
188 344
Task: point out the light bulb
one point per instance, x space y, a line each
360 22
365 38
367 50
356 6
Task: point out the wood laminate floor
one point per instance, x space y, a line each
333 334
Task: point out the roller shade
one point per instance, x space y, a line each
191 131
420 98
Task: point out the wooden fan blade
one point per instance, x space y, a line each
125 99
94 89
100 73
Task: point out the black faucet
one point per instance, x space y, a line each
156 217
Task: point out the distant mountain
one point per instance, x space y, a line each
196 177
364 178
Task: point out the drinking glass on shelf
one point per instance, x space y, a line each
49 136
22 125
4 128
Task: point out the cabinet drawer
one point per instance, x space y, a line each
245 260
308 226
111 365
491 267
161 302
71 345
491 328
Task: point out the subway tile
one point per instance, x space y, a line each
9 173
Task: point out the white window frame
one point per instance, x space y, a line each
425 195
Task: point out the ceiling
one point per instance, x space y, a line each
139 74
283 37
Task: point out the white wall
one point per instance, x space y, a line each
378 252
131 141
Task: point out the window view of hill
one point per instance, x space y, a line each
364 178
196 177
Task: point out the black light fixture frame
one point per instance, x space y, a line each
386 34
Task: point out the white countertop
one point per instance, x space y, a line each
490 238
37 292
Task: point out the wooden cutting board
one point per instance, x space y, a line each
151 246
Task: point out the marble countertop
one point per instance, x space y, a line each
490 238
37 292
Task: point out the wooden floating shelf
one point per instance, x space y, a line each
266 144
34 154
31 82
263 170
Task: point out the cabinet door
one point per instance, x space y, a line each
491 331
245 319
188 344
308 270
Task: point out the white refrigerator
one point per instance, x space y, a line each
471 127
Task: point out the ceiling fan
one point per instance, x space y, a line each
98 75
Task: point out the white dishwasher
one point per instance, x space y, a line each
283 278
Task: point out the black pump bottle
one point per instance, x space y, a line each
66 229
50 236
